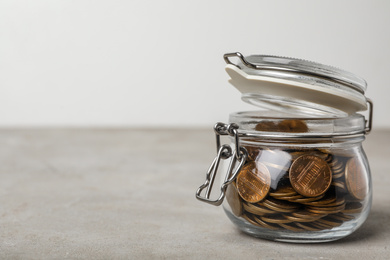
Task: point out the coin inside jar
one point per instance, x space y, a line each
310 175
355 180
233 199
253 182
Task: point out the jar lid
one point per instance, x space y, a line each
296 86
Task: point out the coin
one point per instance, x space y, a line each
250 220
276 219
253 152
234 199
296 219
286 191
293 126
307 227
322 226
303 214
341 216
266 126
253 182
291 227
305 200
257 209
340 186
310 175
353 207
326 200
330 222
264 224
279 206
324 210
330 208
291 197
355 178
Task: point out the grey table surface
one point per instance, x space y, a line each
128 193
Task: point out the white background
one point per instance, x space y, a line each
159 63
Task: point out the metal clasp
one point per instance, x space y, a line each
370 115
223 152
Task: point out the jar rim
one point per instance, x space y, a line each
249 121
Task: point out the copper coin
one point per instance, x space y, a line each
321 226
264 224
323 202
305 200
283 192
234 199
307 227
291 227
307 215
355 178
253 152
333 208
250 220
296 219
253 182
266 126
310 175
330 222
341 216
339 185
276 219
353 207
293 126
279 204
257 209
291 197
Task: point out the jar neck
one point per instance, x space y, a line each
305 142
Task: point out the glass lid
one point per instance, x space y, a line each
297 86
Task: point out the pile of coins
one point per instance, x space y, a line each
298 190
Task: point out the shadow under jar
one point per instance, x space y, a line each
293 176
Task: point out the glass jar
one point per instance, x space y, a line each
295 172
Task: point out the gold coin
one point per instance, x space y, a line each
234 199
355 178
253 182
257 209
310 175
